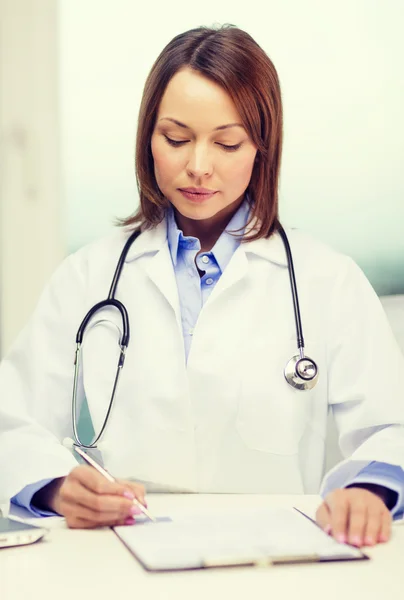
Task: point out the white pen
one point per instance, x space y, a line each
90 460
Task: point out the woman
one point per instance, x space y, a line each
203 403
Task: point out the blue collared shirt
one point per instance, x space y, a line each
193 291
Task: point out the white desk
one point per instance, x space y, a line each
94 565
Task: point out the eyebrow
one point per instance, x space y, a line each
220 128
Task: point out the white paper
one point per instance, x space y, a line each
191 540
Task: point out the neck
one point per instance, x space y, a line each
209 230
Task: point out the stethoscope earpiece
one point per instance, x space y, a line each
301 372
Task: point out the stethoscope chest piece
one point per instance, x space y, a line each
301 372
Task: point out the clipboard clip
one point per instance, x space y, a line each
258 561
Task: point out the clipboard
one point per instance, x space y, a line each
249 538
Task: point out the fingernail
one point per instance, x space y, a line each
128 495
355 540
129 521
327 529
369 541
135 510
383 539
340 538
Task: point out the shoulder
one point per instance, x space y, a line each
318 259
100 254
329 278
113 243
323 269
93 263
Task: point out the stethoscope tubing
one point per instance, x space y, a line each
293 289
111 301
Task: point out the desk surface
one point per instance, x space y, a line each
95 563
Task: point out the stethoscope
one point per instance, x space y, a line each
301 372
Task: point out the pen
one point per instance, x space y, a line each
90 460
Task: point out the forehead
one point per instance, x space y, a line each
197 101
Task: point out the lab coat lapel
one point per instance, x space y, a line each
271 249
160 270
234 272
151 248
152 254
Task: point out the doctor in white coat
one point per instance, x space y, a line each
203 403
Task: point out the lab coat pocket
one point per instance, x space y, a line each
272 416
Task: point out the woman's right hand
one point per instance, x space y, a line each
86 499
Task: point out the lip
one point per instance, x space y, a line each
197 194
197 190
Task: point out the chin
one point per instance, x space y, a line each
198 213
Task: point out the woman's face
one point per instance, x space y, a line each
203 156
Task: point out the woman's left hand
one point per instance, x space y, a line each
355 516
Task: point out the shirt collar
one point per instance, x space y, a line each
228 242
224 247
153 240
173 234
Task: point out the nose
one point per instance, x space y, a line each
199 162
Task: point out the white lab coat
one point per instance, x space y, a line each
226 421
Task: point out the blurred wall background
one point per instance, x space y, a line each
32 236
72 73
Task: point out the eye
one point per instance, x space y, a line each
175 143
228 148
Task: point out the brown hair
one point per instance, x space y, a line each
231 58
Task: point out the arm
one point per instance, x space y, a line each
364 380
364 368
384 480
361 513
31 498
36 381
36 386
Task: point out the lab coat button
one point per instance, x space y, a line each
205 259
209 281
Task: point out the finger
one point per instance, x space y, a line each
98 508
358 518
73 492
76 522
97 483
373 526
338 505
385 528
137 489
99 518
323 517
